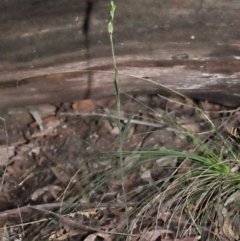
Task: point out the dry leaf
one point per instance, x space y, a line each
174 103
4 155
53 189
62 234
189 125
93 237
154 234
49 128
84 106
147 176
61 175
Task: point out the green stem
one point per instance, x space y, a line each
110 31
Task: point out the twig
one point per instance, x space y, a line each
60 204
76 225
124 119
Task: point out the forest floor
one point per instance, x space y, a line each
83 171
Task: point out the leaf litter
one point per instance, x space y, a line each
63 180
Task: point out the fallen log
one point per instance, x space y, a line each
190 46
